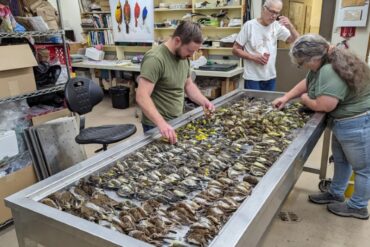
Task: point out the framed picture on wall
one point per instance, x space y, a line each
352 13
132 20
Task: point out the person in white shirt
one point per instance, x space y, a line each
257 45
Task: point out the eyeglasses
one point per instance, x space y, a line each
272 12
300 64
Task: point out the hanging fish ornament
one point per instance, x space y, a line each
145 13
136 13
118 15
127 15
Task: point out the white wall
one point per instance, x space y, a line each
256 8
358 43
71 16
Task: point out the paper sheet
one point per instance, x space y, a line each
109 62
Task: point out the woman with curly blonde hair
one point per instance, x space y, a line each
338 83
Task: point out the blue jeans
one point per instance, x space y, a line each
260 85
147 127
351 151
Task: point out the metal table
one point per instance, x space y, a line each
37 224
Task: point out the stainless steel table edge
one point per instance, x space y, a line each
240 227
249 222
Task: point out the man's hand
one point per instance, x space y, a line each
208 108
260 59
168 132
279 103
284 21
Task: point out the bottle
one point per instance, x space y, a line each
264 50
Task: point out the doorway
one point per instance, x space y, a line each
308 16
305 15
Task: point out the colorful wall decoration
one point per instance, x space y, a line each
133 20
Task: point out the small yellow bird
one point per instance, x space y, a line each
118 15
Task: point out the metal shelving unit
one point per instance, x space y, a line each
60 33
35 93
30 33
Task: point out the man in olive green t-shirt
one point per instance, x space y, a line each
165 78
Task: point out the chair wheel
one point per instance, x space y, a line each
324 185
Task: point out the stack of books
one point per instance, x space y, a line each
100 38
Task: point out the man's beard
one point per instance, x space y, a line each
177 54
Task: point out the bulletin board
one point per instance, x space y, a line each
132 20
352 13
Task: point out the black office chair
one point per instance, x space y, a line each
81 95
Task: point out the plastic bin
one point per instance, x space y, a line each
120 97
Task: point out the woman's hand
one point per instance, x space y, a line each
304 98
279 103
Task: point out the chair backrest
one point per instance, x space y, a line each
82 94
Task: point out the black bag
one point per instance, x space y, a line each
46 74
55 99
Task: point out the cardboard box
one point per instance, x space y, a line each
47 13
16 73
104 5
211 92
74 47
32 5
44 9
50 116
230 85
11 184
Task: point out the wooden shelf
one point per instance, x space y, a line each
170 10
95 12
96 29
204 27
216 48
236 11
220 28
164 28
224 7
